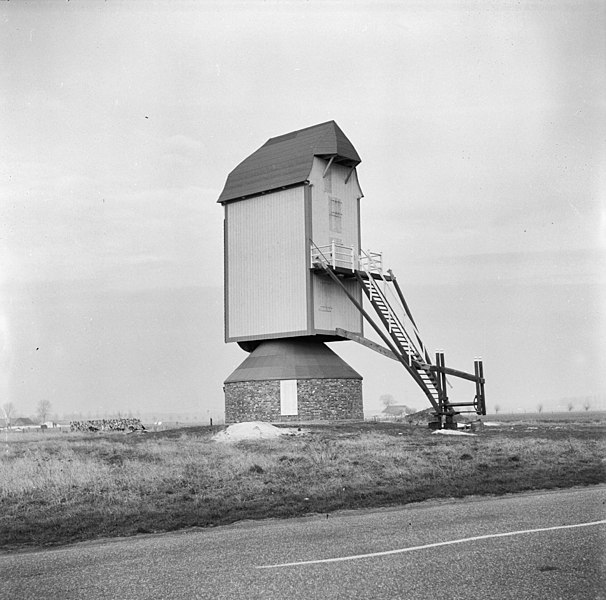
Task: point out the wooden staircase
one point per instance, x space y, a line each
400 334
403 342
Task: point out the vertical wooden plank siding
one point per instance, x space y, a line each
309 280
349 193
225 278
267 258
332 308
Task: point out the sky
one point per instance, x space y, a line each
481 132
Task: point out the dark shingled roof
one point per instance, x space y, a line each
292 359
287 159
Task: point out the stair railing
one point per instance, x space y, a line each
369 265
372 262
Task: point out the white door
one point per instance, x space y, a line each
288 397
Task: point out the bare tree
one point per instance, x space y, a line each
540 408
497 408
43 410
387 400
9 412
570 406
587 404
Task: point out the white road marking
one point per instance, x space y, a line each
435 545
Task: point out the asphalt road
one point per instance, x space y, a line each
555 547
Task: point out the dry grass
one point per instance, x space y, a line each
64 487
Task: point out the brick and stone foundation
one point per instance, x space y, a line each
317 400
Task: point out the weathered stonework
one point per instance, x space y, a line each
318 400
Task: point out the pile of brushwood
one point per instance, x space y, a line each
120 424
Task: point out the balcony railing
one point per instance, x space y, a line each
337 255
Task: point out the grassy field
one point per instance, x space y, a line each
57 488
588 416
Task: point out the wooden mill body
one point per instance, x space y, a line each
298 191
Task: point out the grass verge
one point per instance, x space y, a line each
57 489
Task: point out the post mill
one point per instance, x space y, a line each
296 277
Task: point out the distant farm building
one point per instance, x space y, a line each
396 410
23 423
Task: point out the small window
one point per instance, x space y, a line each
335 212
336 206
288 397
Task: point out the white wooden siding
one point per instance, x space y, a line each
265 260
333 308
327 193
331 194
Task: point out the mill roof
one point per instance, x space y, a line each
292 359
287 160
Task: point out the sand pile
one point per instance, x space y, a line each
450 432
254 430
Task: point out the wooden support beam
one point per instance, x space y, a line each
327 166
366 342
402 300
456 373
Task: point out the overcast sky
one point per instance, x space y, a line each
481 131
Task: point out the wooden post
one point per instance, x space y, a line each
481 375
440 391
441 376
476 370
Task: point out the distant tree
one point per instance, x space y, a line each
497 408
9 412
540 408
410 410
570 406
587 404
43 410
387 400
